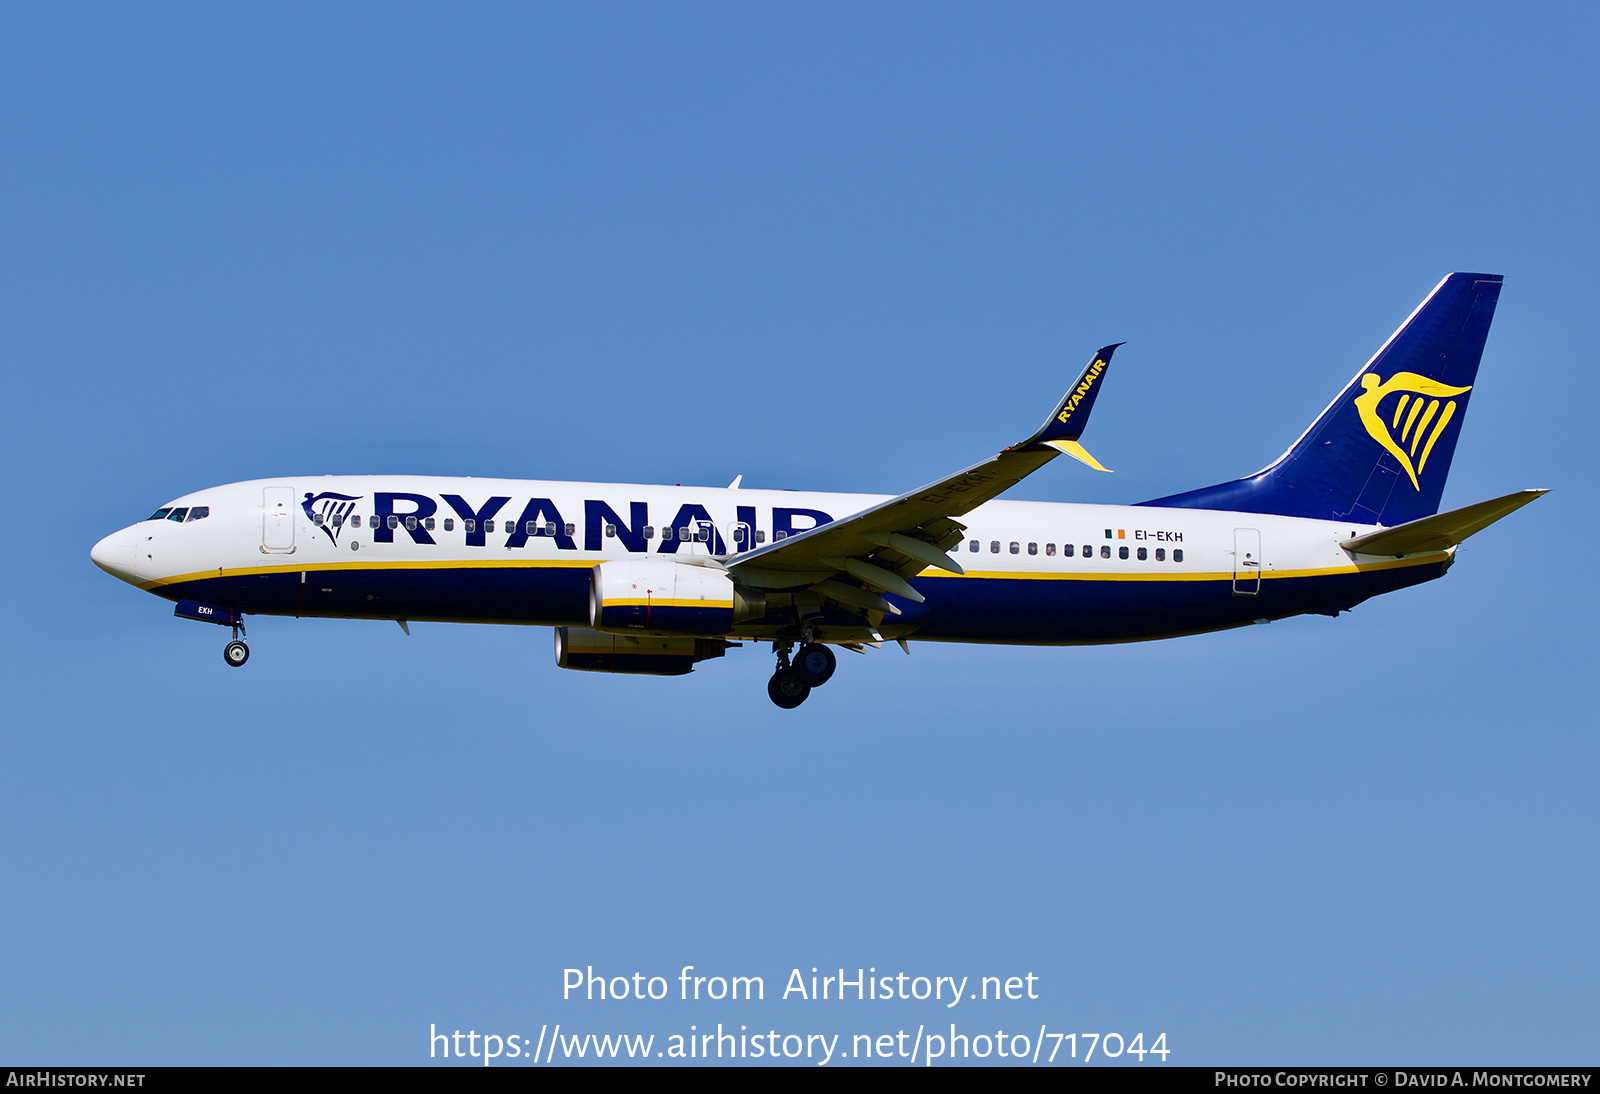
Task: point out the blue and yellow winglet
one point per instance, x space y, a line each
1066 423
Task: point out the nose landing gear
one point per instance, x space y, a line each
236 653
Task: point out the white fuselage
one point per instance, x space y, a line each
308 546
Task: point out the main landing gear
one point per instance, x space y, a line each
236 653
812 667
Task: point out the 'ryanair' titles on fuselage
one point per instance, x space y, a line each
418 516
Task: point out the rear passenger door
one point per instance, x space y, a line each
1246 561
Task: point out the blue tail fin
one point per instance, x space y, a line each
1380 453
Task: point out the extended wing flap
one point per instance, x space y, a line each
1441 531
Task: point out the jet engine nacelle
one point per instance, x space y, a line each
639 655
628 596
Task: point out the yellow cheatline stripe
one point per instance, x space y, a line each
669 604
1097 574
1178 575
375 564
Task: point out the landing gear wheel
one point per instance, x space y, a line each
236 653
815 664
787 689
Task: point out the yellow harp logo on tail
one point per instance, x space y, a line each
1423 403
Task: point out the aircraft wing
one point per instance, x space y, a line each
1441 531
856 558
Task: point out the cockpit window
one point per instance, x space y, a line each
199 512
178 515
159 514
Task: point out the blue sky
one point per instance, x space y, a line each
839 247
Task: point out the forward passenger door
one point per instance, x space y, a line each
277 520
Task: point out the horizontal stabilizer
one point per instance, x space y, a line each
1441 531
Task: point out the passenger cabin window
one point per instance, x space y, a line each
973 547
449 524
1088 550
428 524
994 546
1105 552
571 529
199 512
666 534
1161 554
159 514
411 524
1143 554
394 521
1068 550
761 537
178 515
532 528
611 531
1049 548
1177 554
1122 552
649 531
1015 547
1033 548
780 534
488 525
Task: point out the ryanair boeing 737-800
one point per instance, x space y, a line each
654 579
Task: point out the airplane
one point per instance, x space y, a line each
645 579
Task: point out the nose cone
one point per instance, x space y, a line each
115 554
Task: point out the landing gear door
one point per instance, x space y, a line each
277 520
1246 561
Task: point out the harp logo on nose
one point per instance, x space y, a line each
1423 403
328 511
